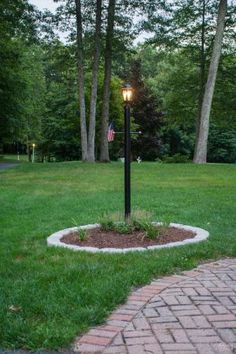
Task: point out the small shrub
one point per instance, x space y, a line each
222 145
165 221
151 231
177 158
107 225
83 235
139 221
138 224
124 228
108 222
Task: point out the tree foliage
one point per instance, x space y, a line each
147 116
38 77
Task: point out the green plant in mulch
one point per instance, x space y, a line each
139 221
81 233
165 221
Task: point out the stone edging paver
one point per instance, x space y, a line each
191 313
55 240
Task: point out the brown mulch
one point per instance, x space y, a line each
110 239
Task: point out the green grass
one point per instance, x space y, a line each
61 293
13 158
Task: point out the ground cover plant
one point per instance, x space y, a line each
137 222
50 295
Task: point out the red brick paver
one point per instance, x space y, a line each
192 313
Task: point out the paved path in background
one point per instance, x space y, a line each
191 313
4 166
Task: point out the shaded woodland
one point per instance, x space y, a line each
62 94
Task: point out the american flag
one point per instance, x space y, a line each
111 132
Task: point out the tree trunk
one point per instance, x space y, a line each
93 98
202 138
80 67
202 69
104 151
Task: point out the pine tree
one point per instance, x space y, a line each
147 116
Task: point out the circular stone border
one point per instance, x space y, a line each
55 239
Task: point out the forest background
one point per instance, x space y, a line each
61 95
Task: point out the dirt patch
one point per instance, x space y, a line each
111 239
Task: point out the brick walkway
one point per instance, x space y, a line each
191 313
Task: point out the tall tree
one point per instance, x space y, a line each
88 135
33 101
190 25
104 151
80 65
202 65
17 30
200 155
90 32
94 86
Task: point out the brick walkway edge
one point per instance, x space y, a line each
191 313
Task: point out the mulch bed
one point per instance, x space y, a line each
110 239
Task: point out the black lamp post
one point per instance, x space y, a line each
127 95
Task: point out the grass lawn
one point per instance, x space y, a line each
13 158
58 293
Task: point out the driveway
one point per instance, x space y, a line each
6 165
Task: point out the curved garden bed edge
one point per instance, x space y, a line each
55 240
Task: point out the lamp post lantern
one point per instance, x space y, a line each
33 152
127 96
